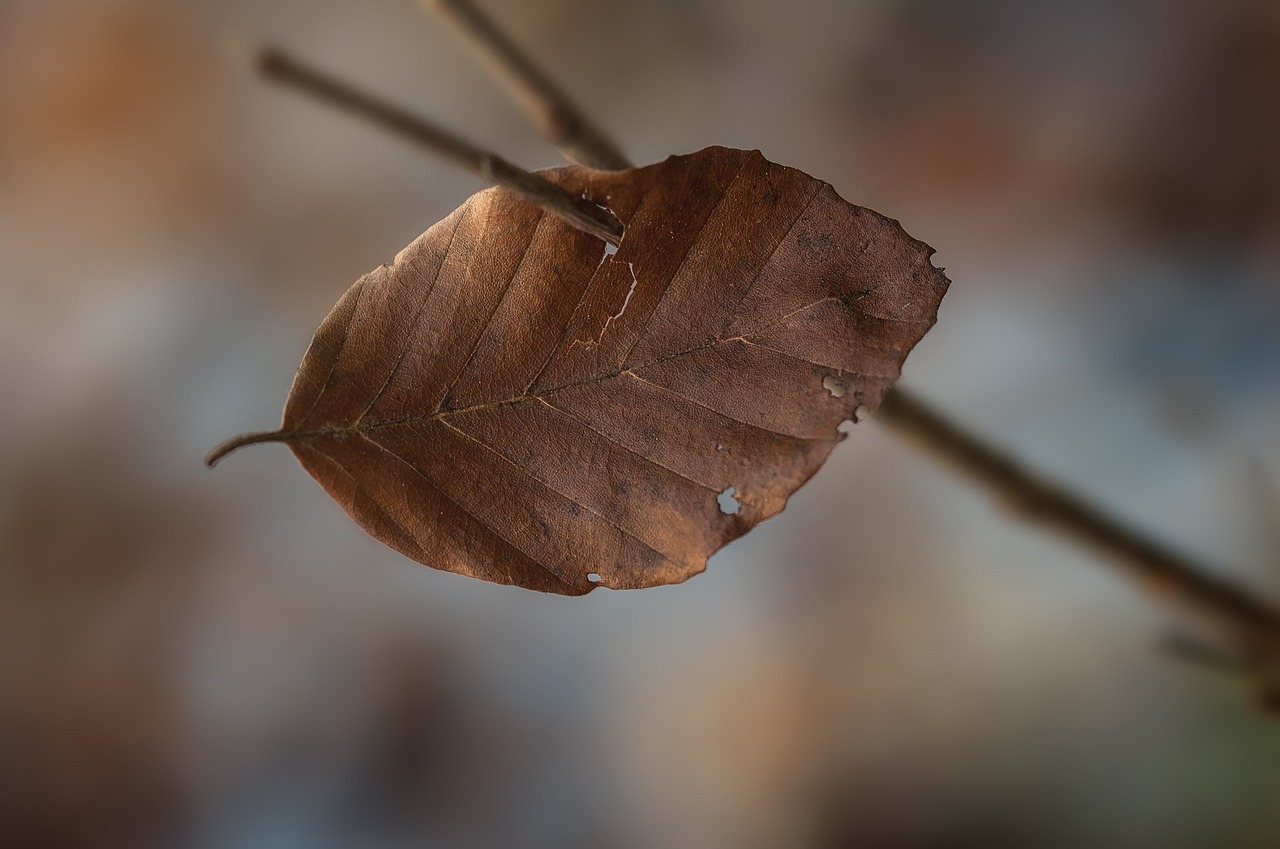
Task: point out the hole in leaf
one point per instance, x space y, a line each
834 386
845 427
728 504
593 577
610 249
861 414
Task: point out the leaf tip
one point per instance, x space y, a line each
237 442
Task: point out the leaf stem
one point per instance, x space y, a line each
237 442
557 118
574 210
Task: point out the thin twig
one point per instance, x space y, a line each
557 118
1247 623
575 210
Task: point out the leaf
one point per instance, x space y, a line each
514 401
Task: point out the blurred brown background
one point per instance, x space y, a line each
221 659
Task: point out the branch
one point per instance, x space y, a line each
1245 622
556 117
575 210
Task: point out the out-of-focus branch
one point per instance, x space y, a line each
556 117
1248 624
575 210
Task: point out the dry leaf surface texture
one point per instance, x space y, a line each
514 400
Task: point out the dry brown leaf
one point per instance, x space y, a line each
514 401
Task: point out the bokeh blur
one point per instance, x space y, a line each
222 659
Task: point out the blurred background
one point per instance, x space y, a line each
222 659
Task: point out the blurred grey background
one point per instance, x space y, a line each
222 659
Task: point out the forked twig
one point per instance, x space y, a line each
1248 624
557 118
